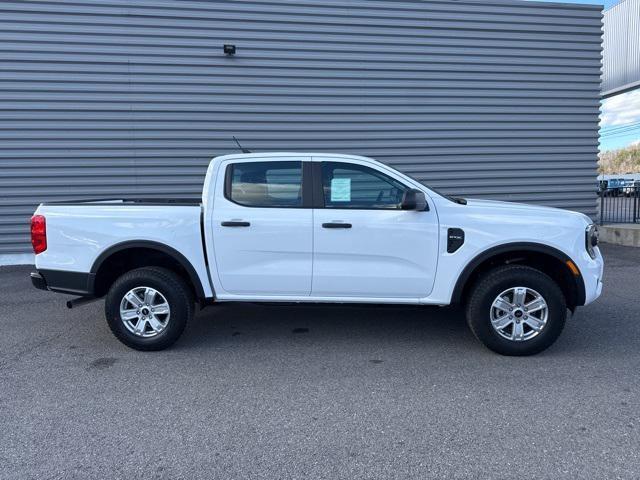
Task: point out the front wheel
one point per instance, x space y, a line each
516 310
148 308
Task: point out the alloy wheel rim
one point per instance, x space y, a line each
144 311
519 314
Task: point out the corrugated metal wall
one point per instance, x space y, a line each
621 66
494 99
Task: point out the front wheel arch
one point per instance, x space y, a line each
544 258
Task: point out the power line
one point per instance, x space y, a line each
621 127
626 127
609 137
619 133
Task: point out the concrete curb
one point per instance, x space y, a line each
17 259
621 234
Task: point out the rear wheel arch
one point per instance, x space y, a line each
544 258
126 256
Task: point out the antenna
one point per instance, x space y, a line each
243 150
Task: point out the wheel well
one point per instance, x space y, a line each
550 264
127 259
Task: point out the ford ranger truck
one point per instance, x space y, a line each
304 227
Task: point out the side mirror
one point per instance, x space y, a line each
414 199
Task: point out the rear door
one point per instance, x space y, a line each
262 227
364 244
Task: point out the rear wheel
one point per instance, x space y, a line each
516 310
148 308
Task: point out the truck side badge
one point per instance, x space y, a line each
455 239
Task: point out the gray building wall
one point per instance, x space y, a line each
621 42
110 98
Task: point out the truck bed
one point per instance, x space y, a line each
81 233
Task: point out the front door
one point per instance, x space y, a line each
364 244
262 221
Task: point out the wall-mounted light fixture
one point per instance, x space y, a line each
229 50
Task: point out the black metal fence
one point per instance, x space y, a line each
620 204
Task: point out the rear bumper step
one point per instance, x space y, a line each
38 281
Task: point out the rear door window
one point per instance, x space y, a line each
265 184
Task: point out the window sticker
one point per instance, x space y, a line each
340 189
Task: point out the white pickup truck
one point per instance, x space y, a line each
302 227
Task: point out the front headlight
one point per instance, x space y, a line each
591 240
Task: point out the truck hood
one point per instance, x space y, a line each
524 211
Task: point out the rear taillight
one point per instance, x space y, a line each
38 233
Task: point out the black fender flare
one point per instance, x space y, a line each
456 297
160 247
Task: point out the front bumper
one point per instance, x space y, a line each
592 272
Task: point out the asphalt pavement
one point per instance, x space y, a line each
292 392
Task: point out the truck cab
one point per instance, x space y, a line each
321 227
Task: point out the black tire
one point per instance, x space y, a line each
168 284
496 281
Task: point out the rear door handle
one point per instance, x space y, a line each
336 225
235 223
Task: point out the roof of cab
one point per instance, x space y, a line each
238 156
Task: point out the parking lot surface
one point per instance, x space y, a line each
255 391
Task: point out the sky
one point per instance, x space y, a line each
620 121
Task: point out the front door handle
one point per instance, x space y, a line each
336 225
235 223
